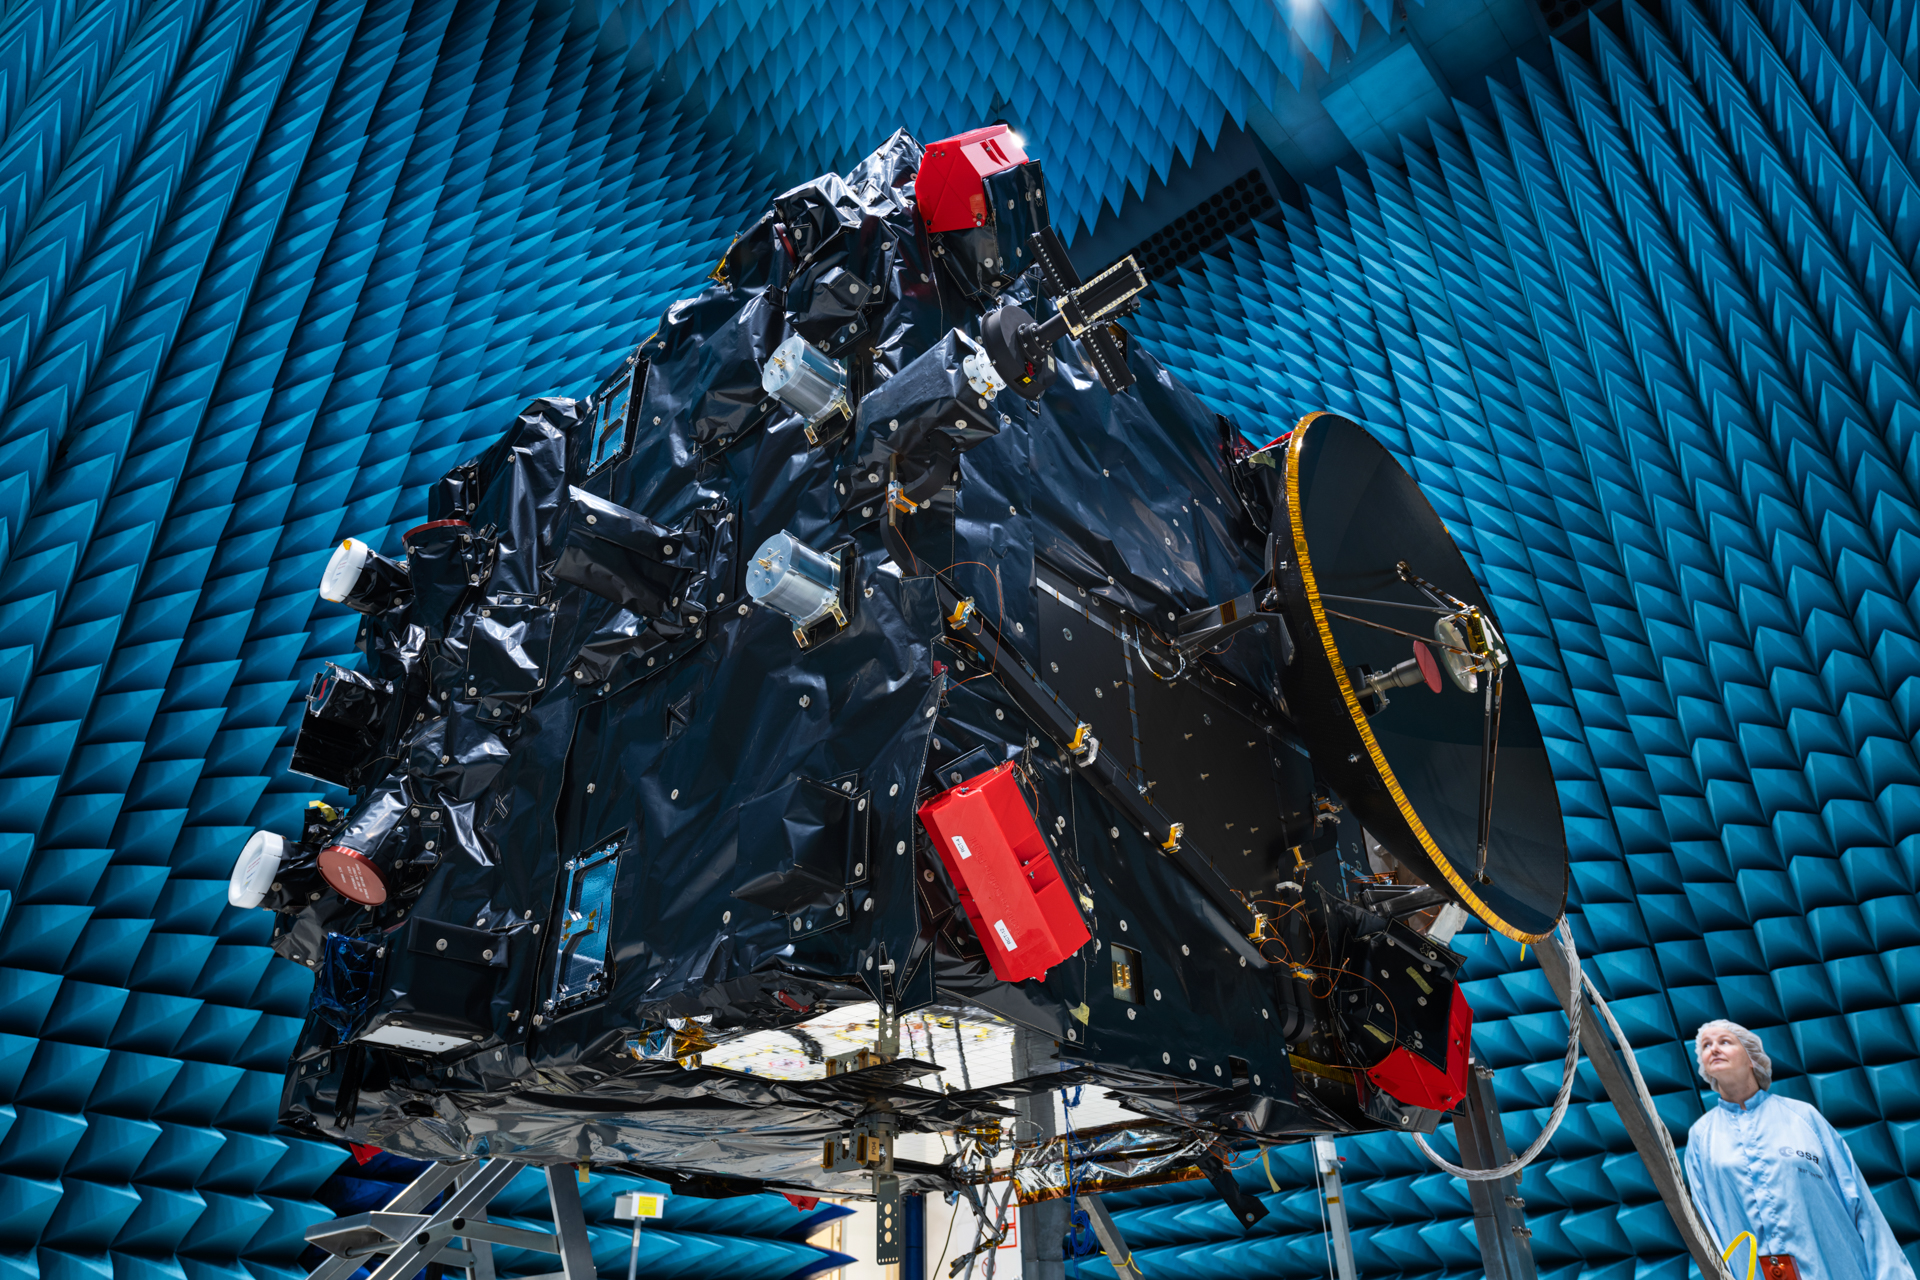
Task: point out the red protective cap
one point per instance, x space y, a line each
353 875
1009 886
951 186
1429 665
1407 1077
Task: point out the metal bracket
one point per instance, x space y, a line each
1247 1209
867 1145
1203 629
889 1222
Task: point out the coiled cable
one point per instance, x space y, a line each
1578 987
1581 989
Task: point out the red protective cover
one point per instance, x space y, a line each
1009 886
950 186
353 875
1407 1077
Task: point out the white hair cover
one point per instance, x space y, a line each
1762 1064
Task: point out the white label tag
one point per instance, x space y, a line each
409 1038
960 847
1006 934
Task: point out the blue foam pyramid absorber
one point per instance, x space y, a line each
265 268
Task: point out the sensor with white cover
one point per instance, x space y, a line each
363 579
254 870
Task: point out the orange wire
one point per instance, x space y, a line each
1318 970
1000 605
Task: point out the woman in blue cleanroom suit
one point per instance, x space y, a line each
1773 1166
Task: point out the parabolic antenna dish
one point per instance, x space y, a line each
1404 688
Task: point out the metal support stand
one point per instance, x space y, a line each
570 1223
889 1225
408 1236
1043 1226
1633 1115
1108 1235
481 1268
1506 1248
637 1207
1338 1234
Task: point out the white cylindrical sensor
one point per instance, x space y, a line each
362 579
804 380
795 579
254 870
343 571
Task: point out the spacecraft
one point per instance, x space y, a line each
890 626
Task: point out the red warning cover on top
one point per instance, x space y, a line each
1008 882
951 185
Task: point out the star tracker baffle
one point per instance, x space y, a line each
891 627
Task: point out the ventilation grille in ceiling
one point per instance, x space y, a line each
1561 13
1200 227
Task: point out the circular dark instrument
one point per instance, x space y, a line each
1404 688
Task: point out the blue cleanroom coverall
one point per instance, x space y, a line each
1775 1167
